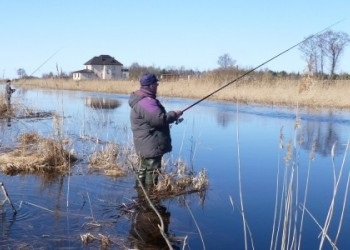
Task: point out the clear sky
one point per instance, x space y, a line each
162 33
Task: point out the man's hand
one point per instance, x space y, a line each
178 113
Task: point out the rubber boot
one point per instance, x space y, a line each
152 166
141 173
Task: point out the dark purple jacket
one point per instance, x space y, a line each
150 124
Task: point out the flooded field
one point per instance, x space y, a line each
278 178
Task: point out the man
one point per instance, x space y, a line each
8 93
150 127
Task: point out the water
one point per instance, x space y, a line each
239 146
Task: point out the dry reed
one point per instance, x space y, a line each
287 231
107 160
104 240
332 205
36 154
244 220
180 180
305 92
3 109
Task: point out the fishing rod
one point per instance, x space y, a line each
23 80
46 61
260 65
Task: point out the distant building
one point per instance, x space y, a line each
102 67
125 73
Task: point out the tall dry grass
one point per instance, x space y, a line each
272 91
292 201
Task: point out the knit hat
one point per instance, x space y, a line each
148 79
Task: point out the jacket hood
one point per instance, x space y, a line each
134 98
138 95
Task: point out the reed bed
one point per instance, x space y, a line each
304 92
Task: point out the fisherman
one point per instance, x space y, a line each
150 127
8 93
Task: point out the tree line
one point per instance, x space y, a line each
321 53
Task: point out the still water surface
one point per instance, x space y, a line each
238 145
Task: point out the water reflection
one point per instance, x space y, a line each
224 118
102 103
145 232
317 128
8 121
6 223
323 134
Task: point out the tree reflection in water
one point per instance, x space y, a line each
324 134
102 103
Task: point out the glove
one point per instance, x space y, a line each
178 113
173 116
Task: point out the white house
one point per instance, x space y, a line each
102 67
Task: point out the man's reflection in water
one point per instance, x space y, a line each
144 232
9 121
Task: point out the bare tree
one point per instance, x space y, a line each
21 73
310 53
335 43
321 54
225 61
328 45
136 70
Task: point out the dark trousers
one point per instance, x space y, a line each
8 103
149 170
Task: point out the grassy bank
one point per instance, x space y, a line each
304 92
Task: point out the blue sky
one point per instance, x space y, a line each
171 33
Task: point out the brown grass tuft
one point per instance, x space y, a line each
106 160
3 109
181 180
36 154
104 240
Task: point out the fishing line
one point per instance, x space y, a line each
23 80
260 65
46 61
